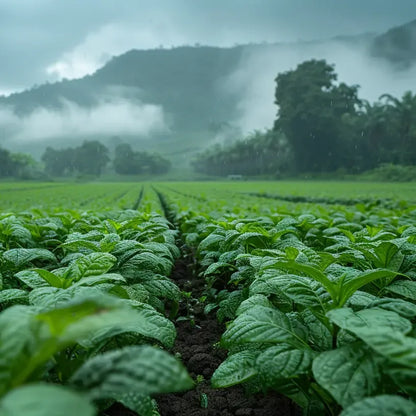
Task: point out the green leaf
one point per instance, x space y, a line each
261 324
351 286
369 319
45 400
211 242
228 307
31 279
145 261
405 288
319 335
142 404
102 278
384 405
236 369
389 255
282 362
10 295
400 306
255 300
162 287
51 278
92 264
89 321
80 245
300 289
393 345
349 373
16 336
310 271
22 256
138 369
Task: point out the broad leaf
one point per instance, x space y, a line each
369 319
13 295
22 256
92 264
384 405
282 362
137 369
236 369
349 373
45 400
405 288
261 324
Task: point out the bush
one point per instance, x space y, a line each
392 173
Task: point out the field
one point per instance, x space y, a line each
208 298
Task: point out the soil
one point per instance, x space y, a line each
195 343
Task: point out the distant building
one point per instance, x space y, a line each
235 177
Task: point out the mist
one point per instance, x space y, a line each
255 77
110 117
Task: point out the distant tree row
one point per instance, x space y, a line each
256 155
128 162
322 126
92 157
18 165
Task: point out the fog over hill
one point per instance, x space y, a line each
180 100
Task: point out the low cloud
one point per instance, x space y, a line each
109 118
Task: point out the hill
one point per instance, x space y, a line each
181 99
398 45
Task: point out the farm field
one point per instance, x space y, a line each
208 298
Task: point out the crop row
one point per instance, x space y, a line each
320 306
319 302
85 299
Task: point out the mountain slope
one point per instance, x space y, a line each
398 45
203 93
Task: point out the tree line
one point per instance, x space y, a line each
90 158
322 126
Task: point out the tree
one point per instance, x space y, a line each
403 120
313 114
59 162
126 161
91 157
7 165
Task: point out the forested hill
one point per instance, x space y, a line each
398 45
186 81
204 92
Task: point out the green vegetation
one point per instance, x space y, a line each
84 297
322 126
319 300
128 162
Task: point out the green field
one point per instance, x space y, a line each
99 195
311 286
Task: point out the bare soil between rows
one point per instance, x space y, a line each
196 346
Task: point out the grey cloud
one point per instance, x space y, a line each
37 34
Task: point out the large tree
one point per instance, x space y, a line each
128 162
314 113
7 164
91 157
402 118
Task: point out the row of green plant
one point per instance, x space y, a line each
320 306
85 300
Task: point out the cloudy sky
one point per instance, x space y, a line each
49 39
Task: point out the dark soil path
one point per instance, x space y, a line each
195 344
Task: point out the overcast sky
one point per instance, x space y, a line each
49 39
